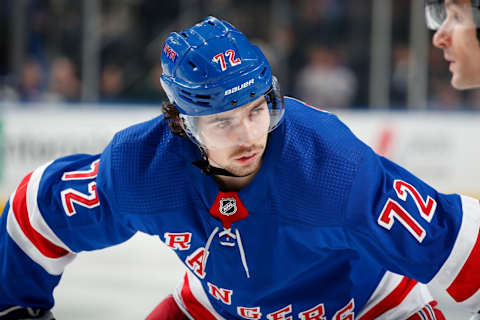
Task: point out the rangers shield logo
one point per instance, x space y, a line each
228 206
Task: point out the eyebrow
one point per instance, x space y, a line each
258 104
218 119
453 3
225 118
449 3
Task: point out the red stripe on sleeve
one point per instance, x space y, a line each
194 307
392 300
19 206
467 281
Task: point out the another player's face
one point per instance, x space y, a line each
245 130
457 37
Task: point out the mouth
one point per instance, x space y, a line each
247 158
450 67
450 60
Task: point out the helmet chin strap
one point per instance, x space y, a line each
210 170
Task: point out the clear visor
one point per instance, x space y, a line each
458 14
241 126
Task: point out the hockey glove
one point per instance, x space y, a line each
476 316
21 313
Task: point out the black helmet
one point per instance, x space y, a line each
436 13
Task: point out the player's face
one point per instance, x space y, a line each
239 129
457 37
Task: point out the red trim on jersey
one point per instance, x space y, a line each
426 312
467 281
194 307
392 300
19 206
167 310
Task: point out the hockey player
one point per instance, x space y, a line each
276 209
456 23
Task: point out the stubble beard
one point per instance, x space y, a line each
243 171
246 170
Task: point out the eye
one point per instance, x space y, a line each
457 17
257 110
223 124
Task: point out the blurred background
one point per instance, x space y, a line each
374 53
72 73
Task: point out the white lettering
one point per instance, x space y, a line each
240 87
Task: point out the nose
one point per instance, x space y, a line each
442 38
245 132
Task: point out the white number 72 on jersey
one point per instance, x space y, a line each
71 196
393 210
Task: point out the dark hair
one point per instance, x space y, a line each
171 114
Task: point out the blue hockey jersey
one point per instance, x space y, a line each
327 229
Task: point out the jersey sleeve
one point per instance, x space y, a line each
58 210
411 229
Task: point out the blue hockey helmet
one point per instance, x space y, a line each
213 68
